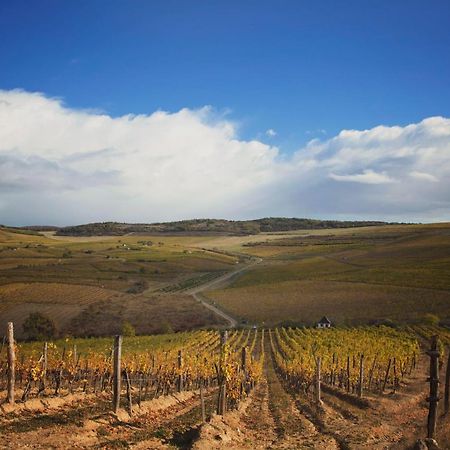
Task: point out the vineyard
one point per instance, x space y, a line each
313 388
342 355
150 367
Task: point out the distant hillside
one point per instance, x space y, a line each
41 228
19 230
233 227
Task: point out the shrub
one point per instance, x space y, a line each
38 327
128 329
431 319
165 328
138 287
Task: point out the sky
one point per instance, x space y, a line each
146 111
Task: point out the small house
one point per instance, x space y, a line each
324 322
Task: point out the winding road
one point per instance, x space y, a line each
197 291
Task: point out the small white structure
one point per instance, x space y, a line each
324 322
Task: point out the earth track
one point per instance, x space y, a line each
93 426
294 428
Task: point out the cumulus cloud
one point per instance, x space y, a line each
271 132
368 177
61 165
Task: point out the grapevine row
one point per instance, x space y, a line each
385 355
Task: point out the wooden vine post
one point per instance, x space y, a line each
202 402
129 399
44 367
318 380
180 374
386 377
244 359
433 399
11 363
117 372
45 360
348 374
244 386
222 401
371 372
447 386
361 376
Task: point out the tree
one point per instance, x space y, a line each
128 329
38 327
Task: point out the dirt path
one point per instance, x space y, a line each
91 425
294 428
198 291
203 300
275 418
392 421
268 419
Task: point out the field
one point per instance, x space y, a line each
354 276
197 390
91 286
392 273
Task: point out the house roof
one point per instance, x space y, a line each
325 319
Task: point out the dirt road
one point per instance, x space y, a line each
198 291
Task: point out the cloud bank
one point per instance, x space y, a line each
63 166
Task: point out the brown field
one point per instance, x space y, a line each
82 284
92 311
354 276
304 302
357 275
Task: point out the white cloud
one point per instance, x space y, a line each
367 176
271 132
424 176
61 165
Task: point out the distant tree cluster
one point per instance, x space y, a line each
39 327
234 227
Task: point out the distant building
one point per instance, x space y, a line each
324 322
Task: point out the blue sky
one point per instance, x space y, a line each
160 110
293 66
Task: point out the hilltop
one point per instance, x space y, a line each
220 226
